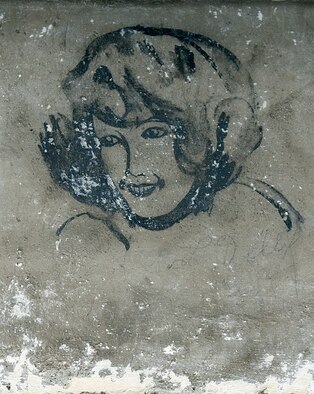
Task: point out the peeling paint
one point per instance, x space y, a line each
26 379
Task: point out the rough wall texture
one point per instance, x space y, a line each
220 302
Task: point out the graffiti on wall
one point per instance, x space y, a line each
163 119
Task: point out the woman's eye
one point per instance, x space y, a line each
154 132
109 140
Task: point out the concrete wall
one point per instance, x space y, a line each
220 302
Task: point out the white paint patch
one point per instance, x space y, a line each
236 337
301 383
1 17
81 186
89 350
45 31
260 15
31 342
57 243
24 378
22 305
195 196
268 360
171 349
64 347
264 104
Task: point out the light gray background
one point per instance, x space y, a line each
179 299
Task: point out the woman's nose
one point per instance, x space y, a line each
129 173
138 164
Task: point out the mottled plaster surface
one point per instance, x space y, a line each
219 304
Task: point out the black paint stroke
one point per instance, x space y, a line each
74 155
111 226
287 212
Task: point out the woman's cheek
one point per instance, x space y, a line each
115 161
160 154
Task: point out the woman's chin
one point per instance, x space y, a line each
160 202
148 207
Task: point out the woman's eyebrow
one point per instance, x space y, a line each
150 120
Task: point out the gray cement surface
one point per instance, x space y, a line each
223 296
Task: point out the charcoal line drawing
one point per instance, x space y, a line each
163 119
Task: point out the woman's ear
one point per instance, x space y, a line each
243 134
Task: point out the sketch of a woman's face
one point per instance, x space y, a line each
163 119
142 165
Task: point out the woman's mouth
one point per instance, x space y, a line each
141 189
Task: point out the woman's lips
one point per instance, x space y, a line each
141 189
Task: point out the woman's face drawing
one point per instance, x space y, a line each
142 165
140 91
163 119
137 149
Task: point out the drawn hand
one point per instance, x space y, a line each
74 159
55 147
221 160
